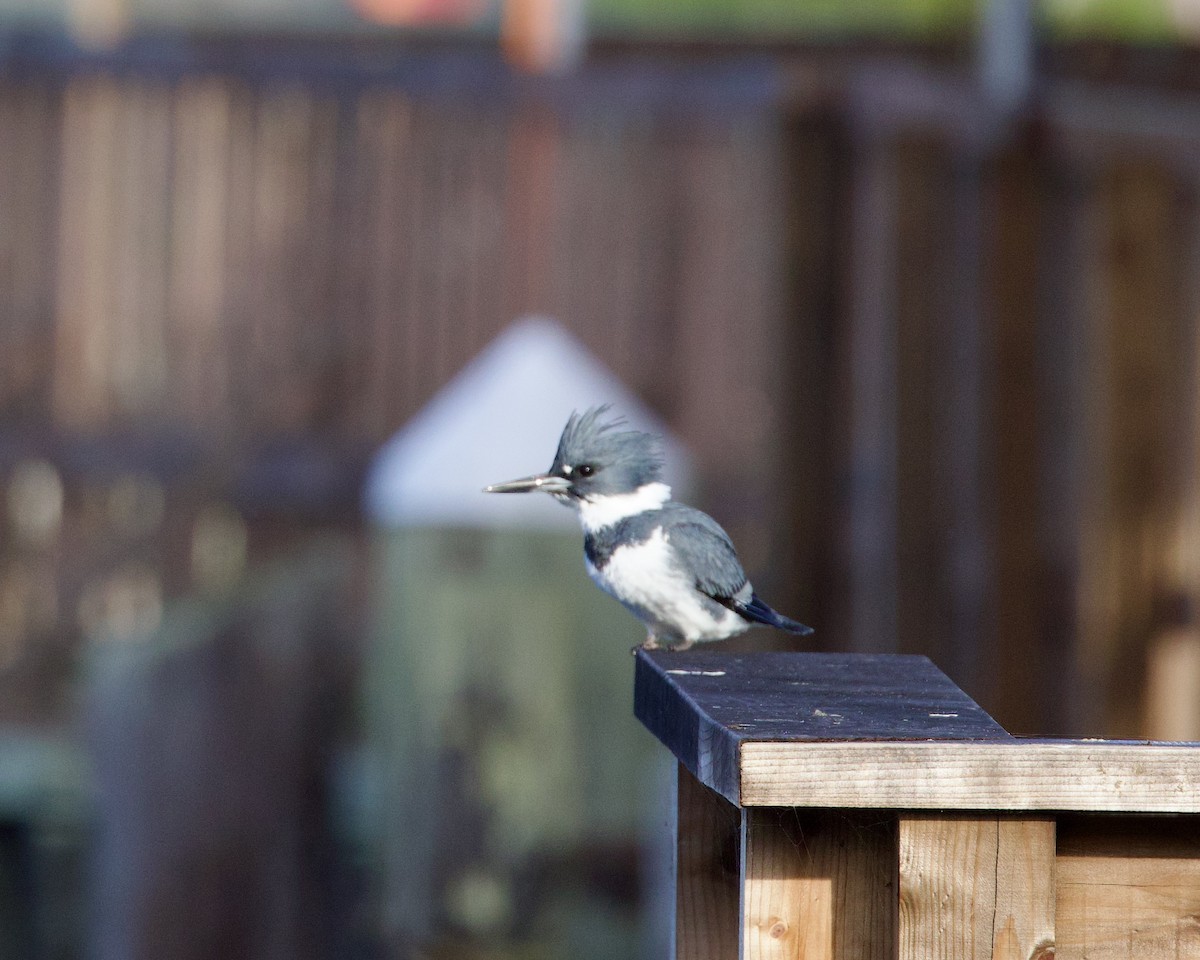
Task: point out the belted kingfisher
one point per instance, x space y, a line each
672 566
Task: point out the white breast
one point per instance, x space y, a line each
650 583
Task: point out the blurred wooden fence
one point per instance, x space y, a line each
939 367
212 748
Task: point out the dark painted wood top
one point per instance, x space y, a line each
703 705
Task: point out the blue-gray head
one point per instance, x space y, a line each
595 458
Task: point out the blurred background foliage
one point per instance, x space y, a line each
733 20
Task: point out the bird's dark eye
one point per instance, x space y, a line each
585 470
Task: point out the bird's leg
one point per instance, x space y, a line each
650 643
681 646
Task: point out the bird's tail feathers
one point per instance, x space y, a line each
759 612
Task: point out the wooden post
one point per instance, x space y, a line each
883 815
706 872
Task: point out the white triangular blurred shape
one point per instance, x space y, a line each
498 419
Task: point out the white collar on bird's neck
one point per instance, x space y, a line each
605 511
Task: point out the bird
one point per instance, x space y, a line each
672 566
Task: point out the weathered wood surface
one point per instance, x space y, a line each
1082 775
818 885
830 730
706 706
976 889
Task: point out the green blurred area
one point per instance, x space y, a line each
782 18
1131 20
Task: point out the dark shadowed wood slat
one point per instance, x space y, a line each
1142 395
1028 422
869 535
924 483
28 152
1128 889
961 452
813 190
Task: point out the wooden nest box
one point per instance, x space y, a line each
852 807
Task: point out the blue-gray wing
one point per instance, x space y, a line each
705 550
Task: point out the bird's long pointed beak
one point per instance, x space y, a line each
546 482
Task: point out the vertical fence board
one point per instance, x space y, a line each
962 454
84 342
976 888
706 873
818 885
1031 424
814 188
869 552
923 477
29 155
1140 394
199 359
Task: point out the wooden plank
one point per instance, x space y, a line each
1128 890
1141 391
926 486
807 494
976 888
817 885
964 436
869 534
1082 775
706 873
1023 925
1172 696
947 888
703 705
87 211
199 359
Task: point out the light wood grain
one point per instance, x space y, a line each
947 888
972 889
1129 890
1033 775
817 885
1023 928
706 874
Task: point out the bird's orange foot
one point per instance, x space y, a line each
650 643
